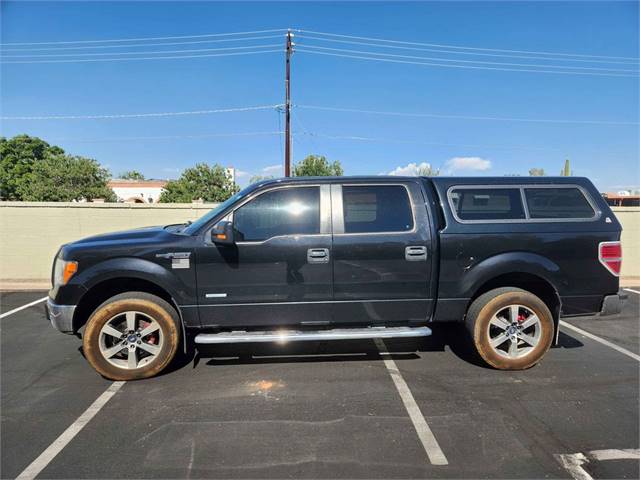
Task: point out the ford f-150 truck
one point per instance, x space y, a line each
342 258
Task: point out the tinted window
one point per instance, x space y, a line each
286 211
376 208
557 203
487 203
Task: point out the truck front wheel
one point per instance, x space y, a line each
131 336
511 328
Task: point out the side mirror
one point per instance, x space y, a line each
222 233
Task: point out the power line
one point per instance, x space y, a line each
563 54
85 60
440 50
140 39
277 108
419 142
325 34
467 117
168 137
296 116
439 59
146 52
472 67
135 45
142 115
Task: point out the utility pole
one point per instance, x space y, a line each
287 106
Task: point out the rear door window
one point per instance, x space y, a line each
557 203
376 208
487 203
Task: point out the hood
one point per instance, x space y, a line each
128 242
127 236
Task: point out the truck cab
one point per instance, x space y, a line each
346 257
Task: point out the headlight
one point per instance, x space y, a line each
63 271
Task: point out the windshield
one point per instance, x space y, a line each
207 217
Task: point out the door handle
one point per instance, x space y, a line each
415 254
318 255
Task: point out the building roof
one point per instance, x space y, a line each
123 183
617 196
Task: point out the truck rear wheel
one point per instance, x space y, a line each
131 336
511 328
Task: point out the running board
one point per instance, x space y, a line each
284 336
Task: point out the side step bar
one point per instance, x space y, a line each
284 336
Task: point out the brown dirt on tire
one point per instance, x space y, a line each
480 314
111 308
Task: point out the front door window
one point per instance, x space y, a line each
285 211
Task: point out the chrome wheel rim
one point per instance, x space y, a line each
131 340
514 331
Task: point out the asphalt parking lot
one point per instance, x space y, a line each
324 410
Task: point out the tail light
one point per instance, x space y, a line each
610 255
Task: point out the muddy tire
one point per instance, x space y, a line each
132 336
511 328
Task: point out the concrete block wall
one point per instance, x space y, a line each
32 232
629 217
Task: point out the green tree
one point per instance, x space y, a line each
18 155
536 172
209 183
317 166
566 171
33 170
63 178
131 175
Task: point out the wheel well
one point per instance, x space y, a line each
109 288
526 281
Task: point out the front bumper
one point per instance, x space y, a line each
60 316
612 304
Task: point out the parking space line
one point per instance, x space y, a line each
573 462
624 351
35 302
632 290
427 438
616 454
63 440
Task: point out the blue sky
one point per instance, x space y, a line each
367 143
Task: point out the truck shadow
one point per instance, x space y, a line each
452 337
320 351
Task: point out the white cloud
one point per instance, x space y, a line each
456 164
272 170
241 173
411 169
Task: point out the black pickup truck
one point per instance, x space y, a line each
343 258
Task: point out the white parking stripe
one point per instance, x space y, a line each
616 454
63 440
429 442
6 314
632 290
624 351
573 462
